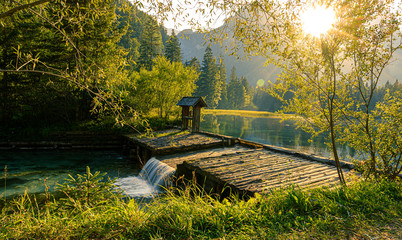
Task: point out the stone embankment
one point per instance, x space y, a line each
68 141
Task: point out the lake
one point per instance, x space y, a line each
270 130
33 169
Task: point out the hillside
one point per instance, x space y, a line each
193 44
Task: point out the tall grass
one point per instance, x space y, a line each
363 210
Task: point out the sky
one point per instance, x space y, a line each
180 21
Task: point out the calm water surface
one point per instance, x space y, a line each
270 130
31 170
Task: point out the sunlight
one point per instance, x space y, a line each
317 20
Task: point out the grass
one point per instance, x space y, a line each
86 208
159 134
244 113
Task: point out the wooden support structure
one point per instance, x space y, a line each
194 116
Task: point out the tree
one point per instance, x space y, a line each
172 50
130 21
325 72
365 37
64 51
246 91
151 44
207 84
164 86
223 102
195 64
236 91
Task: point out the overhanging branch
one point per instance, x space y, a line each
22 7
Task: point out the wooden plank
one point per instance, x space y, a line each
260 170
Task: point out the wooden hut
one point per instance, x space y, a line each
195 115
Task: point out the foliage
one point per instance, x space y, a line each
172 49
151 44
207 84
223 102
87 191
237 93
384 124
64 66
192 214
194 63
62 62
163 86
333 77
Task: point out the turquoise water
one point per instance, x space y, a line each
34 170
270 131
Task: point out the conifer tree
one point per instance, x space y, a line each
206 84
246 91
173 50
151 44
194 63
234 91
130 22
223 103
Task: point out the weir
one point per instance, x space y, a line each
153 178
224 165
157 173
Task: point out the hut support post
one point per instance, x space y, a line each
196 119
185 113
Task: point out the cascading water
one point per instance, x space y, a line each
154 176
157 173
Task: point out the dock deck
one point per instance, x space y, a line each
174 141
259 171
242 166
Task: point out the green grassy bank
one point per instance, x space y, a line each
86 208
243 113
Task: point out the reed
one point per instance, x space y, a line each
363 210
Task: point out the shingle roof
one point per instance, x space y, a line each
192 101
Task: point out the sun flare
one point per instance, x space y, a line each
317 20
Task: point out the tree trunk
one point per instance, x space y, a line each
333 143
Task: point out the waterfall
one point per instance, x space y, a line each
157 173
154 176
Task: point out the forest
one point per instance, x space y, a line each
63 65
104 65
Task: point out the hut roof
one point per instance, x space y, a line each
192 101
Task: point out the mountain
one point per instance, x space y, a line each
193 44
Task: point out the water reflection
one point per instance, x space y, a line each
270 131
34 170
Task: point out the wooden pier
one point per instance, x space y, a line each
223 164
257 171
173 141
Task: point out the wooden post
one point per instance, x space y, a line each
185 113
196 118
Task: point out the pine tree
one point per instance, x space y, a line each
172 50
130 23
206 84
247 92
233 89
195 64
223 103
151 44
86 53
